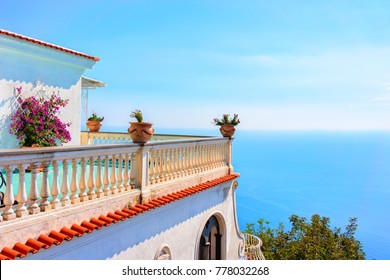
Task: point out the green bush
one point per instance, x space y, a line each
308 240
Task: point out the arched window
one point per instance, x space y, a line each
210 241
163 253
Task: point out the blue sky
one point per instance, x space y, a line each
278 64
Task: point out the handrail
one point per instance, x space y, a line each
253 247
87 172
93 138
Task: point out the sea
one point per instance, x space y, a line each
336 174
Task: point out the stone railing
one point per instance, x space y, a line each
88 138
252 249
44 179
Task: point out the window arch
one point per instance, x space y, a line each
163 253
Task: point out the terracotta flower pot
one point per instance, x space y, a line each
94 126
140 132
227 130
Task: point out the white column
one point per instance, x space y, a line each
98 180
45 204
82 185
113 187
74 197
33 195
65 186
21 197
91 185
8 213
55 189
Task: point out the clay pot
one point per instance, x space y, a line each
94 126
140 132
227 130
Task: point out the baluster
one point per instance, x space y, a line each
74 197
210 156
99 192
169 165
212 159
156 162
132 170
221 155
45 204
193 159
217 155
151 166
120 171
201 158
91 185
126 173
165 176
82 184
185 161
21 197
65 201
189 159
106 191
55 189
113 187
208 159
160 166
8 213
181 161
196 158
173 163
33 207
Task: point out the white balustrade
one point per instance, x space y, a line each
46 179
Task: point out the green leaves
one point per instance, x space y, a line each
308 240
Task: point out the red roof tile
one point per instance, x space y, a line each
20 250
48 45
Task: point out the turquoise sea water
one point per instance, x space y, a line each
333 174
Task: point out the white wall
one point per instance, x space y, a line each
22 64
71 113
178 225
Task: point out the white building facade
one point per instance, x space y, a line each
41 69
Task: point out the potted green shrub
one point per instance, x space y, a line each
94 122
227 124
140 131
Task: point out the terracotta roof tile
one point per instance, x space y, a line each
4 258
70 232
130 212
136 209
12 254
80 229
37 245
99 223
24 249
20 250
107 219
48 45
89 226
59 236
48 240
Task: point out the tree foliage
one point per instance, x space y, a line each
308 240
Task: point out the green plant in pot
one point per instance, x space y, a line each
94 122
140 131
227 124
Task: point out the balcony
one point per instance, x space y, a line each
63 185
252 249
